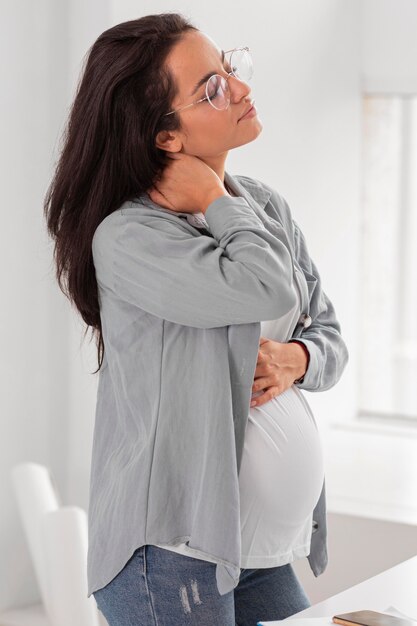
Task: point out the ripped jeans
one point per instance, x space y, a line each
158 587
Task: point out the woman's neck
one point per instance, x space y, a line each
229 191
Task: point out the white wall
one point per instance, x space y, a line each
47 396
307 82
389 45
34 318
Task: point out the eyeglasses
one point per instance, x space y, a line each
217 87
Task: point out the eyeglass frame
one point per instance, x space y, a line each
207 97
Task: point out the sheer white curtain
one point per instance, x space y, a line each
388 268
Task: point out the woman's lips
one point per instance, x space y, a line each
252 111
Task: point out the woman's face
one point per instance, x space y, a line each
207 132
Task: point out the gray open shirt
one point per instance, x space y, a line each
181 314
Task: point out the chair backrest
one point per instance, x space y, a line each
36 495
65 540
57 537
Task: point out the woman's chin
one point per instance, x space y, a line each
250 135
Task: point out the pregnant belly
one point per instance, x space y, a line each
282 466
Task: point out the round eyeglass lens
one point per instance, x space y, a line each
218 92
241 64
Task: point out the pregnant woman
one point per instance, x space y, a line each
202 295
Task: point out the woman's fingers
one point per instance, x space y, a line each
268 394
157 197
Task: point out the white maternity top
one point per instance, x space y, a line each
281 473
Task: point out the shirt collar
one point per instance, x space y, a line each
249 188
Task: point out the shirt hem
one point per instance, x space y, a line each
254 562
187 551
218 561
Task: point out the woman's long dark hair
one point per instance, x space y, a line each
109 153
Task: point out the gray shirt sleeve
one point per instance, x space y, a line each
242 274
328 351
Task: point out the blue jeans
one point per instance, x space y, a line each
158 587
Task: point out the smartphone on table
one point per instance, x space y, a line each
371 618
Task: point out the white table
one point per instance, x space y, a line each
396 586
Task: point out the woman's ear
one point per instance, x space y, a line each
168 141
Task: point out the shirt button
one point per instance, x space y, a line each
305 320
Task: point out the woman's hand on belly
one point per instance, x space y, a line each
278 366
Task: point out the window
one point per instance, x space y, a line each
388 259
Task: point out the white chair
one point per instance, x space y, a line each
57 538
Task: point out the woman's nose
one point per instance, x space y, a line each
240 94
238 88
